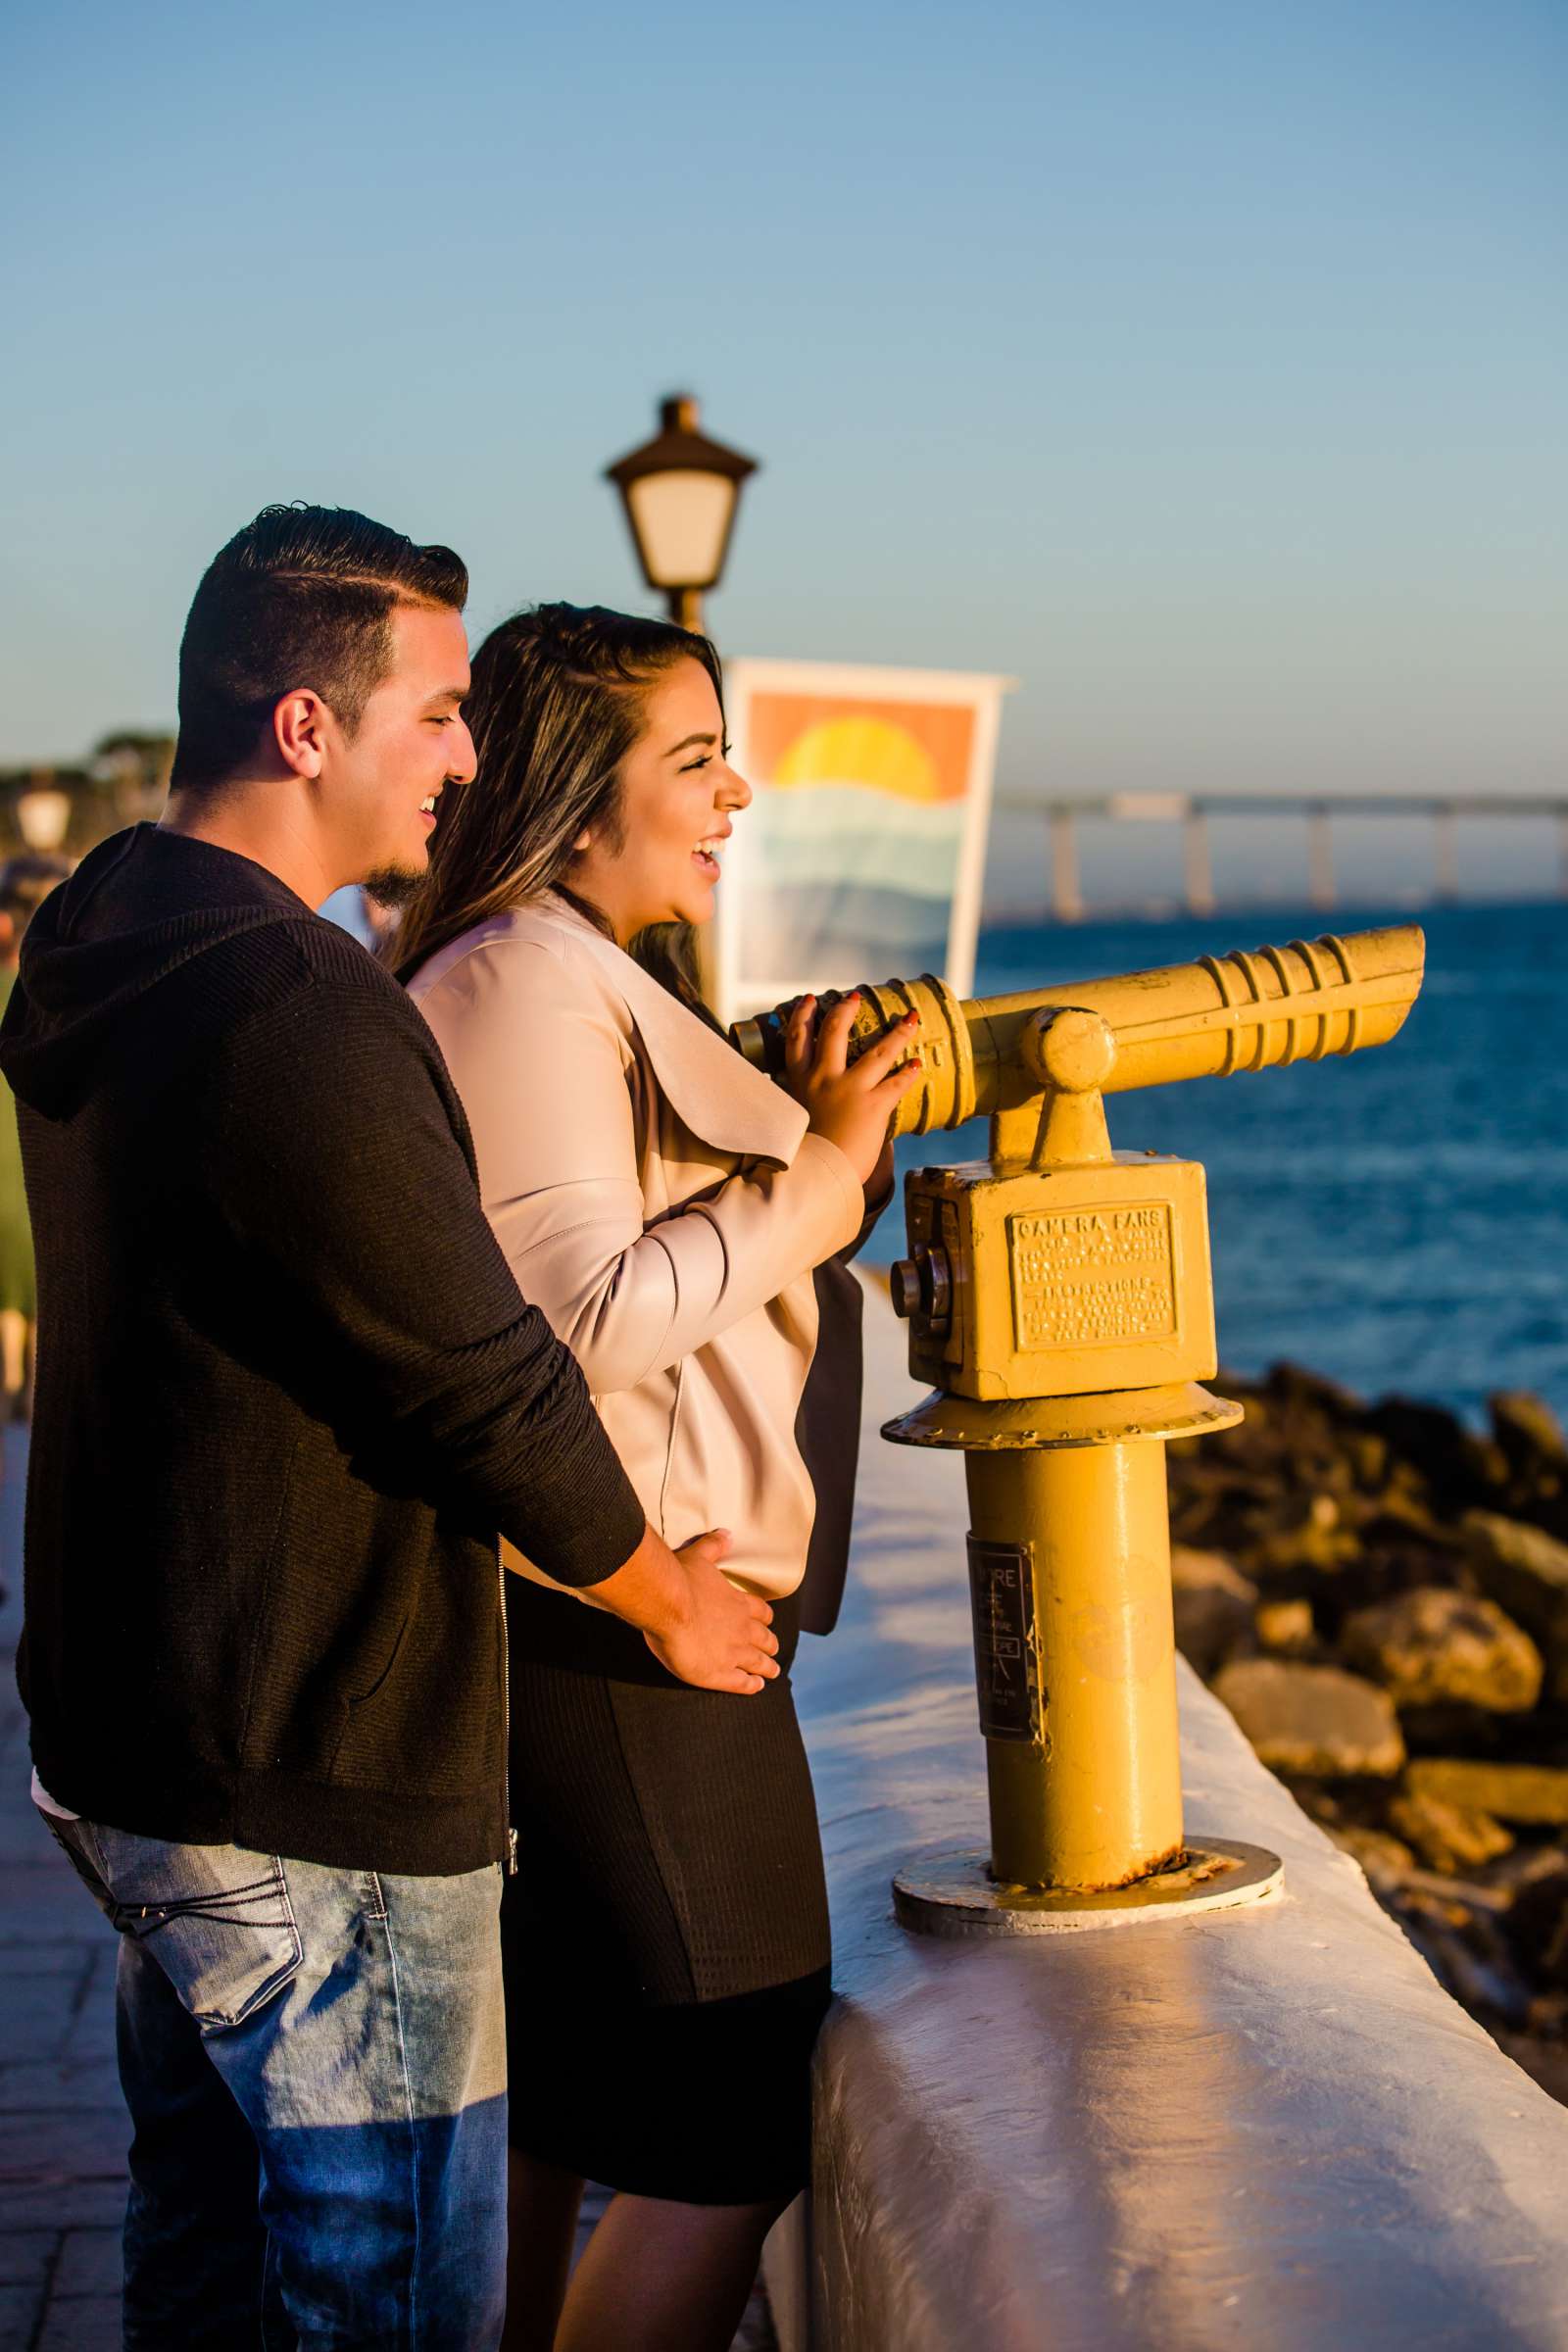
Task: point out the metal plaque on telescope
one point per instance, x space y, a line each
1002 1590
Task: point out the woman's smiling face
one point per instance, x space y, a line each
677 793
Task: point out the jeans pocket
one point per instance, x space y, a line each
66 1832
215 1918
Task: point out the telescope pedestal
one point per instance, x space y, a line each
1058 1295
1075 1666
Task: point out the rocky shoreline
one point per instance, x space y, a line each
1380 1597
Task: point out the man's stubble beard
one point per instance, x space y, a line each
393 885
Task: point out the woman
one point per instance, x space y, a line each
666 1939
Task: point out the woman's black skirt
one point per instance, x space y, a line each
666 1939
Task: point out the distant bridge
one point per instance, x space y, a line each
1190 812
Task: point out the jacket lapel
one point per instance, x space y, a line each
713 1091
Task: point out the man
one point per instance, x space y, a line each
288 1394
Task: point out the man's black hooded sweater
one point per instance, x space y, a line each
287 1389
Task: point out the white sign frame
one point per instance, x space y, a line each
977 690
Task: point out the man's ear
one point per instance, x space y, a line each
584 840
299 731
7 932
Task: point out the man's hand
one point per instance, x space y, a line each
728 1642
695 1622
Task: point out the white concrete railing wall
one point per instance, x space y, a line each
1266 2129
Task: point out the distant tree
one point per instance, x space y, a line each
134 768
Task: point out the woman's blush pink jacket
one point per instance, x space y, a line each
665 1204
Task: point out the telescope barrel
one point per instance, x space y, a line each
1251 1010
1244 1011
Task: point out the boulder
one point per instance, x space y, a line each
1533 1794
1213 1604
1447 1836
1284 1625
1380 1855
1368 1456
1530 1437
1529 1440
1313 1721
1538 1929
1297 1395
1526 1572
1459 1468
1432 1647
1304 1543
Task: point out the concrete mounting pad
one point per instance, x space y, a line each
952 1892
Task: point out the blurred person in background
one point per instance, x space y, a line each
665 1942
26 881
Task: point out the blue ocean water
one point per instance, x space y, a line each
1394 1220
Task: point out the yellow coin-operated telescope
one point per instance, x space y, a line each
1060 1300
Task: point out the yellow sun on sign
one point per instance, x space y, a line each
860 751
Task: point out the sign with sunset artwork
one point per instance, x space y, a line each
862 855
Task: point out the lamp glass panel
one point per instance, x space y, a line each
681 518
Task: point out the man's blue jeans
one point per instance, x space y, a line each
314 2063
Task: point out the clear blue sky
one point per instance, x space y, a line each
1202 365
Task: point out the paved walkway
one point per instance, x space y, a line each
63 2128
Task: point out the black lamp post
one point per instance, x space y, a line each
680 491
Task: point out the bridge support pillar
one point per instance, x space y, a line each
1320 856
1066 894
1447 857
1198 871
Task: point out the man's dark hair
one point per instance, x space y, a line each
303 596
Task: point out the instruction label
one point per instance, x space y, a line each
1007 1665
1089 1277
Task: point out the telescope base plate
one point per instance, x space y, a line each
952 1894
1025 1423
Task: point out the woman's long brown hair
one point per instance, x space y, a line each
555 707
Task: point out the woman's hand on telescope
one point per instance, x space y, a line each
849 1103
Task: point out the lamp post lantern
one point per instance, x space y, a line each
43 813
680 491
